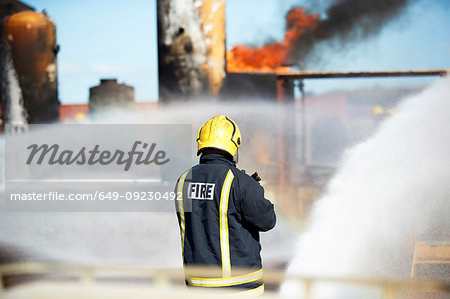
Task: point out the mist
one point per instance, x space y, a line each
365 225
150 239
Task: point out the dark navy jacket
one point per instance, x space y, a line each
220 216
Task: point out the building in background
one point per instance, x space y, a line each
109 95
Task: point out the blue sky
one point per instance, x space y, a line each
112 38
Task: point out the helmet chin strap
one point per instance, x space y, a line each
236 156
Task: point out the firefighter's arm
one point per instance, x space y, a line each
257 210
175 190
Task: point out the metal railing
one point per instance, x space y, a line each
96 275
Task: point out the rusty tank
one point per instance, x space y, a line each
191 49
29 41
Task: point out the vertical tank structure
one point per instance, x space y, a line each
29 41
110 94
191 49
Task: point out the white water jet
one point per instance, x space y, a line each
390 190
16 114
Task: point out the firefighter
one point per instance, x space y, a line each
221 211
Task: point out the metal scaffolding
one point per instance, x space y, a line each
286 84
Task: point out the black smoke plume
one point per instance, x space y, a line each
346 21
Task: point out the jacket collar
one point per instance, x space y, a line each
216 158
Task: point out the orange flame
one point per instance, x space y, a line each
270 57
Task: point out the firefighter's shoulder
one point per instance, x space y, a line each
245 179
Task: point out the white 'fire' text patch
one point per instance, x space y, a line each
203 191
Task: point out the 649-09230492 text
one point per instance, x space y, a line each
97 195
96 168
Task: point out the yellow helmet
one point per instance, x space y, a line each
219 132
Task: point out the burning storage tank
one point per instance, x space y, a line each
191 48
28 45
110 94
